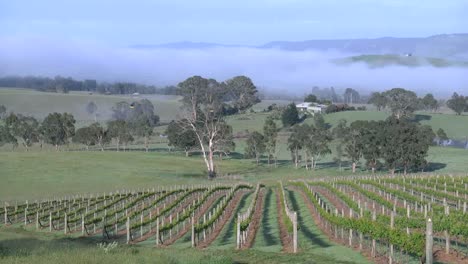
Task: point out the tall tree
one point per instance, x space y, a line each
203 109
441 136
84 135
6 136
310 98
101 135
290 115
296 142
353 143
371 140
351 96
255 146
339 133
140 117
224 140
379 100
121 111
242 92
458 103
405 144
317 139
91 109
334 96
270 133
58 128
401 102
429 102
120 131
25 128
3 111
181 138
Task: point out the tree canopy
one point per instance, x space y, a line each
458 103
270 133
290 115
379 100
310 98
242 92
401 102
58 128
255 146
181 138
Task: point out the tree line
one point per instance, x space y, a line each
395 143
406 101
61 84
128 121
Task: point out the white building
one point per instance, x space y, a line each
311 108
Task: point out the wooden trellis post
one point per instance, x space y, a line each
157 231
294 218
128 230
446 233
193 231
429 242
392 224
65 224
373 252
238 231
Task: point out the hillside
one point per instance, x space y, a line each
454 46
378 61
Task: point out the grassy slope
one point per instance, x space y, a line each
44 174
39 174
377 61
39 104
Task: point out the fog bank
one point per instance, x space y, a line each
294 71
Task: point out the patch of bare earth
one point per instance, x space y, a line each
286 239
452 257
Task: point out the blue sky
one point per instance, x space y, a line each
121 23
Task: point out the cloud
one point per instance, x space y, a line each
296 72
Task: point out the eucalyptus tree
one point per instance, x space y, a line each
255 146
57 129
270 132
203 114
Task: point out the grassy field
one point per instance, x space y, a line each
44 174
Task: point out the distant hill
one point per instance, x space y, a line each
378 61
454 46
447 46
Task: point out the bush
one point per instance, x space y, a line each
333 108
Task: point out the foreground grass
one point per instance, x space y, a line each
18 245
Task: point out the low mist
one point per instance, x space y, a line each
295 72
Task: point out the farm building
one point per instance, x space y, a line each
311 108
